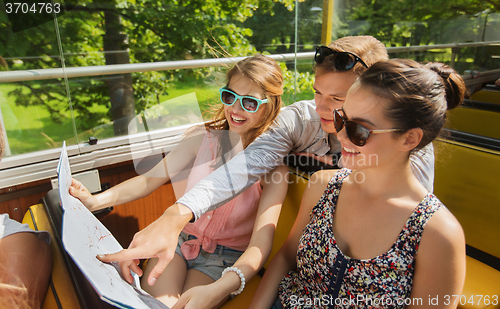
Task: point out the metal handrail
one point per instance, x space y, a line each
440 46
42 74
25 75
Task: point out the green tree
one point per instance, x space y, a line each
422 22
136 31
282 20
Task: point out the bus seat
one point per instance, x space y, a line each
466 181
490 93
472 119
297 184
76 286
481 280
61 293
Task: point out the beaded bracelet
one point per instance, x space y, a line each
240 274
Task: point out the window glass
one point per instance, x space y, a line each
35 114
422 22
81 102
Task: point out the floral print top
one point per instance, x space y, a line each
326 278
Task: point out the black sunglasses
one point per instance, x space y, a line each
356 133
344 61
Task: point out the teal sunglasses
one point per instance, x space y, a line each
248 103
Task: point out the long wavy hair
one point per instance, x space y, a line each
265 73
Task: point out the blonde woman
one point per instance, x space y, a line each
225 247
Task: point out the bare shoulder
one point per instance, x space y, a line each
196 131
192 139
442 233
323 176
317 184
444 224
320 179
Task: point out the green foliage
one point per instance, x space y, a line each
148 87
155 31
282 20
167 30
297 82
422 22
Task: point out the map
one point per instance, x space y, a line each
84 237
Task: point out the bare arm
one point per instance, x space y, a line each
142 185
285 260
159 239
275 187
440 262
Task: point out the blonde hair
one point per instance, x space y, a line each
266 74
12 296
13 292
366 47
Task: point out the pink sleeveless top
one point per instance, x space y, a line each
230 225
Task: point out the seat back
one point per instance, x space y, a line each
489 94
468 172
297 184
86 294
475 117
466 181
61 292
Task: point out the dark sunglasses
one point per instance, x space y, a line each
356 133
248 103
344 61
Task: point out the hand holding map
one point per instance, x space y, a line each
84 237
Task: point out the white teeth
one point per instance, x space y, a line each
349 150
237 119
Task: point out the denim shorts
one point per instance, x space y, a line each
211 264
10 227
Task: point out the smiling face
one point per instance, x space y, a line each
368 110
330 91
240 121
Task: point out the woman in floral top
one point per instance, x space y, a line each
376 238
